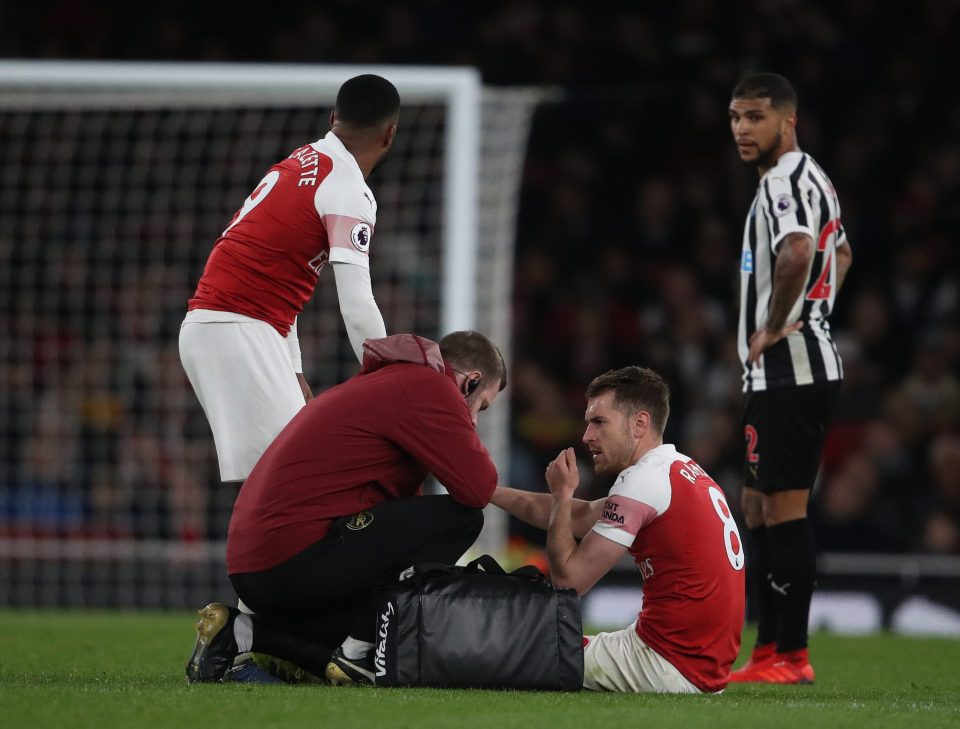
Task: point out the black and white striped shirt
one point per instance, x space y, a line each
794 196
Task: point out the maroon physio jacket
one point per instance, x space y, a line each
370 439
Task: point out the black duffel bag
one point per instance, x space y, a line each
478 627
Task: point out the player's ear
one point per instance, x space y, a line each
389 136
790 120
333 116
641 423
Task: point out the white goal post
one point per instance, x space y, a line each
115 179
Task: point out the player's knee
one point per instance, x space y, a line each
783 506
751 504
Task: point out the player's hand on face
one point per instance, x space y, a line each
762 339
563 476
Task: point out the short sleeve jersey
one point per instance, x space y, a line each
311 208
674 520
794 196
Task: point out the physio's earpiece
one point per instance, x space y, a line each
472 383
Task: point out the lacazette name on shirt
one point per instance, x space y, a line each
308 158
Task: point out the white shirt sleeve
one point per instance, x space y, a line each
787 209
293 342
348 211
358 308
640 494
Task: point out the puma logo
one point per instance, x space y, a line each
782 589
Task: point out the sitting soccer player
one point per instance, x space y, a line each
331 511
672 518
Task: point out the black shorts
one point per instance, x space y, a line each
783 431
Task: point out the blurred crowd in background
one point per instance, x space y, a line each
631 216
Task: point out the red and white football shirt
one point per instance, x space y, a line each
676 523
311 208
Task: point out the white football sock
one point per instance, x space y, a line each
355 649
243 608
243 632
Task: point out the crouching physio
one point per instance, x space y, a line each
331 510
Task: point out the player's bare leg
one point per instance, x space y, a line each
236 485
783 506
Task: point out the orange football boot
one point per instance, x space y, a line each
792 667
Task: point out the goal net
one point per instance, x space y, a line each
115 180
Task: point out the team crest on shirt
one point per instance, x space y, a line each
783 205
360 236
360 521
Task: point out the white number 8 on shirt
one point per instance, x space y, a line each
731 537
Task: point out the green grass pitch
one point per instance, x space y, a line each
125 669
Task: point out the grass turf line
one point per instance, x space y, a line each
125 669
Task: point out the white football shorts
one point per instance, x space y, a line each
241 371
621 661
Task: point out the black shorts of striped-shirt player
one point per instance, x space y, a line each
784 430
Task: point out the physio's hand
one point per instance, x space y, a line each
762 339
563 477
